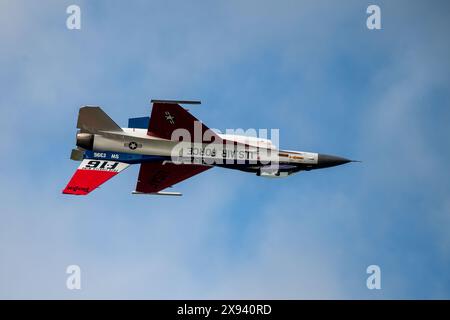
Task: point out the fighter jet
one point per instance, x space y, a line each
171 146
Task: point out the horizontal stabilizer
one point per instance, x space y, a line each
93 119
77 154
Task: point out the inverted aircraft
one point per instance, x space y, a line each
171 146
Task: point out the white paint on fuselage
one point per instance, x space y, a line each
150 145
249 140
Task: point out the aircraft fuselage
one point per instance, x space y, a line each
134 145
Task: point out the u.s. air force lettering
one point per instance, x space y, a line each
224 153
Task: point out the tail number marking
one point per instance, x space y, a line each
100 165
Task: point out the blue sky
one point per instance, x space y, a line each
311 69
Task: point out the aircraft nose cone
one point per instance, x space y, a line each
326 160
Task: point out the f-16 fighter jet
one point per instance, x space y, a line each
172 146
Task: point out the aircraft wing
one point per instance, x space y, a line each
167 117
91 174
156 176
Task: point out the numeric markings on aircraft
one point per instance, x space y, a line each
102 165
92 164
99 154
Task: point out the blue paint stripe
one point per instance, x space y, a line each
123 157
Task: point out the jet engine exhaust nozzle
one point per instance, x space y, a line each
85 140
